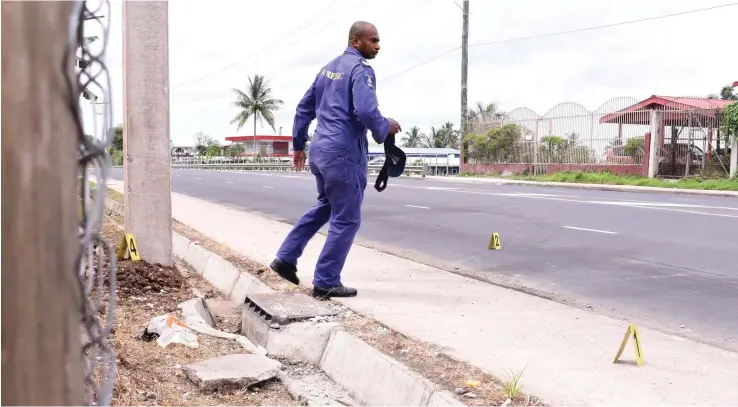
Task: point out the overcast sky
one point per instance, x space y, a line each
214 46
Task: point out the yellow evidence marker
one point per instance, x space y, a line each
128 248
631 331
494 242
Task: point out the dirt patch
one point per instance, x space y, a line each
150 375
426 359
141 278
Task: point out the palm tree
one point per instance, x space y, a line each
256 102
490 110
444 137
414 138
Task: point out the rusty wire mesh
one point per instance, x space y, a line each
90 83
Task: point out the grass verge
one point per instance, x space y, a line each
607 178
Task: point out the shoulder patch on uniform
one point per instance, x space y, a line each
369 80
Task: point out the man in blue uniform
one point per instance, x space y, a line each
343 98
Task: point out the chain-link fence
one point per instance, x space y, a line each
96 258
610 138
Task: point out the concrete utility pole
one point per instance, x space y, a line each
41 300
464 68
146 163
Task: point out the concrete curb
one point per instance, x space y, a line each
598 187
346 359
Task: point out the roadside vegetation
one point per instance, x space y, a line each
609 178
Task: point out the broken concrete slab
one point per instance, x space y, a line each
194 314
196 311
284 308
241 370
223 308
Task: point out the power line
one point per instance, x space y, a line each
326 25
640 20
411 6
301 26
556 34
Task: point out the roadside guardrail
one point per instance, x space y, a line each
421 170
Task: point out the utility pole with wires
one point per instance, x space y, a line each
464 71
146 141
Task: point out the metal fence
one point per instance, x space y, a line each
693 144
97 277
612 136
199 164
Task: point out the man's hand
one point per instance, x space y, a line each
298 160
394 127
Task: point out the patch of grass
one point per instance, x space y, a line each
608 178
511 384
112 194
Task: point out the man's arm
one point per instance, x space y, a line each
366 107
303 117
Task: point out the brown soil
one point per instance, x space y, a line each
148 374
140 278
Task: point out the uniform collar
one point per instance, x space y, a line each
353 51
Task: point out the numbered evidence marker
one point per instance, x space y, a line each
631 331
128 248
494 242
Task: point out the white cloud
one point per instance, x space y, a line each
287 41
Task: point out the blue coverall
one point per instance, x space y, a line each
344 100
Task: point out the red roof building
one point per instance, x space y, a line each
635 114
277 146
678 112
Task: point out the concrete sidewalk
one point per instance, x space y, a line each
567 352
573 185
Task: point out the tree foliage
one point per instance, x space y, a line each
206 145
117 141
415 138
730 120
497 145
444 136
256 103
727 92
116 144
236 149
568 149
488 114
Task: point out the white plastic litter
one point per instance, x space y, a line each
172 330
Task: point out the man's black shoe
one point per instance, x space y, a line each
285 270
339 291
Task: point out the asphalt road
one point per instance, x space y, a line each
667 261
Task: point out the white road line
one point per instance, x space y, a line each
229 182
267 187
590 230
198 178
418 207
